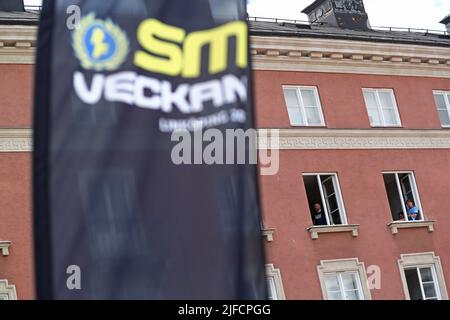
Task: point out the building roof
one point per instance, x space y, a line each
312 6
291 28
446 20
19 18
287 28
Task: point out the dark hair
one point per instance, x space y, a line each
410 200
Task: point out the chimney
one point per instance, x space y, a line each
446 22
12 6
345 14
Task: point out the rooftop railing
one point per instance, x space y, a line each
308 23
33 8
376 28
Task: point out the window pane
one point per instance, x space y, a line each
352 295
336 218
444 117
291 98
371 101
350 281
309 99
430 290
313 194
394 197
386 100
332 283
390 117
440 101
328 185
406 187
271 289
295 117
374 117
333 205
412 279
337 295
426 274
313 116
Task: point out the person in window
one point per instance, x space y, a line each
412 210
401 216
319 216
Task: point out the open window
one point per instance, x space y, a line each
422 283
422 276
403 196
325 199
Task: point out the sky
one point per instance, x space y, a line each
424 14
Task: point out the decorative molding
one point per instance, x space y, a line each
275 274
394 226
348 56
17 44
268 234
316 230
344 265
426 259
352 139
4 247
7 291
16 140
20 140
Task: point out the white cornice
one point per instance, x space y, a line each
15 140
345 56
354 139
20 140
17 44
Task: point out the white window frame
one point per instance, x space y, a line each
380 108
342 290
423 260
7 291
339 197
419 276
415 191
351 265
273 277
302 105
447 104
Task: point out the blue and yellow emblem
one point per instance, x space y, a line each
100 45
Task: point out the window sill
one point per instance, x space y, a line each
316 230
268 234
394 226
304 126
4 247
387 127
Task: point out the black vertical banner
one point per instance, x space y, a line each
117 214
